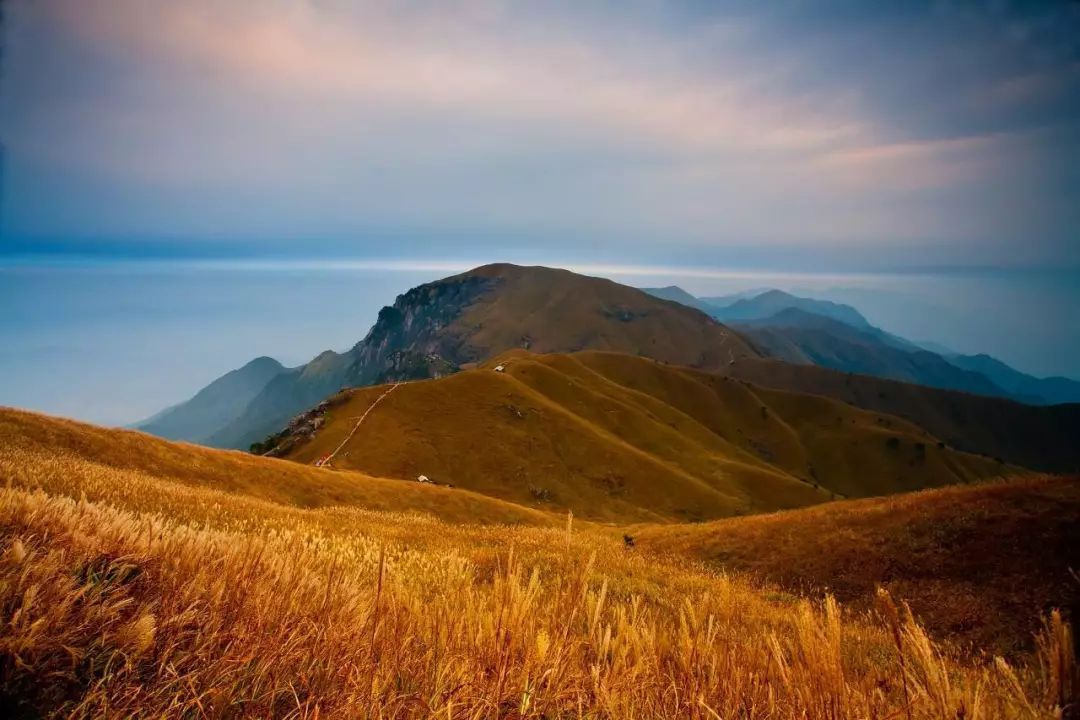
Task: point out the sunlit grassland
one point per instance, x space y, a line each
126 594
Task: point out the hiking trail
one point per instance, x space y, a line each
356 427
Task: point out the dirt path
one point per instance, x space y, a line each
359 422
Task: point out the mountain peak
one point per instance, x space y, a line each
478 314
674 293
771 302
263 362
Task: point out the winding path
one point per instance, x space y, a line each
359 422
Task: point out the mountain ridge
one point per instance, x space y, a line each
1040 437
214 406
773 335
795 335
615 437
434 328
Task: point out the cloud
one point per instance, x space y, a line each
312 118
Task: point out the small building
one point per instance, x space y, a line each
500 368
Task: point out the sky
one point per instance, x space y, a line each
811 133
304 145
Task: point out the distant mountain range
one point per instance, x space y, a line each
216 405
1020 385
771 302
837 336
434 329
798 336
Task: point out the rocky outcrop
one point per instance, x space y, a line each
405 365
410 340
301 428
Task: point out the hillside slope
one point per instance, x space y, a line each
1048 390
616 437
970 560
433 329
38 448
1036 437
132 590
216 405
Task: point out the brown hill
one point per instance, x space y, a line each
435 328
1041 438
978 563
550 310
37 450
620 438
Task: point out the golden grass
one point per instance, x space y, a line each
125 594
32 444
978 563
553 310
625 439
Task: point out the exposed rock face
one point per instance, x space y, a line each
410 340
300 429
406 365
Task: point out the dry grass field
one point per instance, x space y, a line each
978 563
130 589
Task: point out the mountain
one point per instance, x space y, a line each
1036 437
674 293
838 337
798 336
615 437
938 348
435 328
976 563
216 405
765 307
1048 391
722 301
771 302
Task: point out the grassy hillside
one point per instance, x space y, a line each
978 563
1042 438
620 438
550 310
38 449
130 588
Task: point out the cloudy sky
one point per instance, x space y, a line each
803 135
